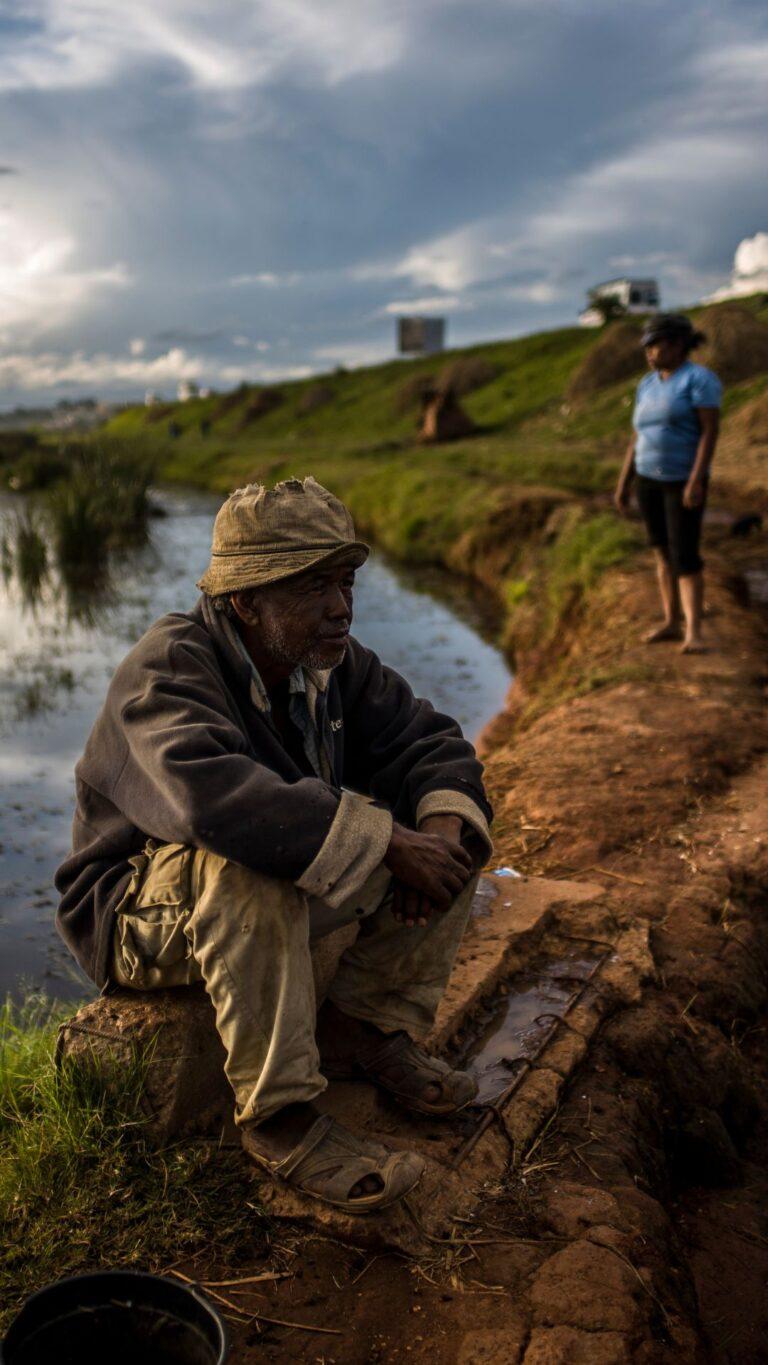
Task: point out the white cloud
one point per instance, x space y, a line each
54 370
267 278
372 113
750 269
751 259
263 374
730 77
439 303
353 353
449 262
646 184
50 369
69 44
537 291
248 344
39 288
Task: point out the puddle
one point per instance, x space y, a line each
515 1023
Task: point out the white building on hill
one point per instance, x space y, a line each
633 296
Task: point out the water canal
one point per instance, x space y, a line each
58 653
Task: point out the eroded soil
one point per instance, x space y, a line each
636 1229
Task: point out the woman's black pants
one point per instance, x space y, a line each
672 527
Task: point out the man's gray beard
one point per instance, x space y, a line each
314 659
274 641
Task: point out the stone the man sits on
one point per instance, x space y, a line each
256 779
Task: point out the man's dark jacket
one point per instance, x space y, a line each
180 754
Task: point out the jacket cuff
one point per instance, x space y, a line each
457 803
353 847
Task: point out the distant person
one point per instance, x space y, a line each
676 422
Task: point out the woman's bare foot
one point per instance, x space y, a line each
668 630
694 646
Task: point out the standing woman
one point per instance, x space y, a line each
676 423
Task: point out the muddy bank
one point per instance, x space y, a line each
633 1228
655 783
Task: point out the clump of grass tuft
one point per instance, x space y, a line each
586 547
102 505
80 1185
34 467
26 550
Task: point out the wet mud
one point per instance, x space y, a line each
514 1026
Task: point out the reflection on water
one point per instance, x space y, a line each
516 1023
58 650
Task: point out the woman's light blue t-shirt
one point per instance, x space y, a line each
666 421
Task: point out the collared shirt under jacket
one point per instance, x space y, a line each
180 753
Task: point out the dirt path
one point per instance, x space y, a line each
636 1229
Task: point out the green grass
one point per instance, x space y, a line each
418 502
80 1185
585 549
360 441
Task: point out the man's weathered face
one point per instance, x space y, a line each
302 620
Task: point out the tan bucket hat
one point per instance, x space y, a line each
263 534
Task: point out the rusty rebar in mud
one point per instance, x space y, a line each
496 1111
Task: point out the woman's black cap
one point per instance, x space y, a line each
675 325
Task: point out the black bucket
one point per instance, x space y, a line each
116 1317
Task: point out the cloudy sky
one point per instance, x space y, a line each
230 189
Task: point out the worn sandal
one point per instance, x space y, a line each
403 1069
329 1161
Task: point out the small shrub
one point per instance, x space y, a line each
158 412
609 306
14 444
736 346
465 374
414 392
616 355
36 469
234 399
318 396
264 401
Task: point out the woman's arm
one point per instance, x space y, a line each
709 422
626 477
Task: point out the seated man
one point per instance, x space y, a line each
255 780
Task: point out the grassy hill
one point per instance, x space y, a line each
526 494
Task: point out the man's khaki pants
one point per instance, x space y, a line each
189 916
